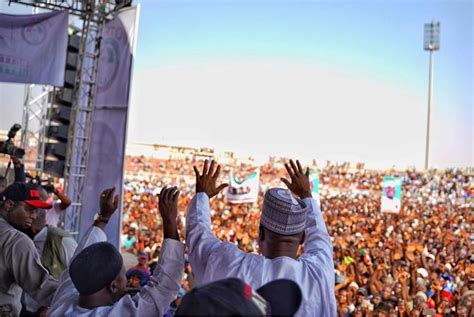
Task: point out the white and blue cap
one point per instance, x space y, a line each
282 213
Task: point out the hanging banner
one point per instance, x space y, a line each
245 191
33 48
391 194
107 148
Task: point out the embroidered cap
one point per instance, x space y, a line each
29 193
282 213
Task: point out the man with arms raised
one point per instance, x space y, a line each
95 283
285 223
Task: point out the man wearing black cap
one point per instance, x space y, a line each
20 264
95 283
286 222
234 297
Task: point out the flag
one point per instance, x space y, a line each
245 191
314 182
391 194
33 48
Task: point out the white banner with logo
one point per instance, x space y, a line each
243 191
33 48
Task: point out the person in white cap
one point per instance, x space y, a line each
286 222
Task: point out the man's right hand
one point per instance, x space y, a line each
206 183
108 205
299 185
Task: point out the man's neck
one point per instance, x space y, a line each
93 301
272 254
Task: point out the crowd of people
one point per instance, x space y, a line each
297 249
417 262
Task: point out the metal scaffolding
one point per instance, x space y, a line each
33 133
81 120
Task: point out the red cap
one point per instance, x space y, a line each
38 204
29 193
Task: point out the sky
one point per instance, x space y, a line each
337 80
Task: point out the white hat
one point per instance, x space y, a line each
431 256
422 295
423 272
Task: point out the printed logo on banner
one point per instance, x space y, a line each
110 61
245 191
110 57
34 34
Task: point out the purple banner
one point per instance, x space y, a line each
107 150
33 48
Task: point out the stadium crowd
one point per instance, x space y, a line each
419 262
284 254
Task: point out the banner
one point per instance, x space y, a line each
107 149
33 48
245 191
314 182
391 194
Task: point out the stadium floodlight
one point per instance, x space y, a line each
431 44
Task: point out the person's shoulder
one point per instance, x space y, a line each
125 304
17 240
58 232
316 262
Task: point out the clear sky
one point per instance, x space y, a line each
325 79
339 80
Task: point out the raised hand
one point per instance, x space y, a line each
299 184
206 183
168 205
108 203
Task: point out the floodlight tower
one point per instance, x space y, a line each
431 44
